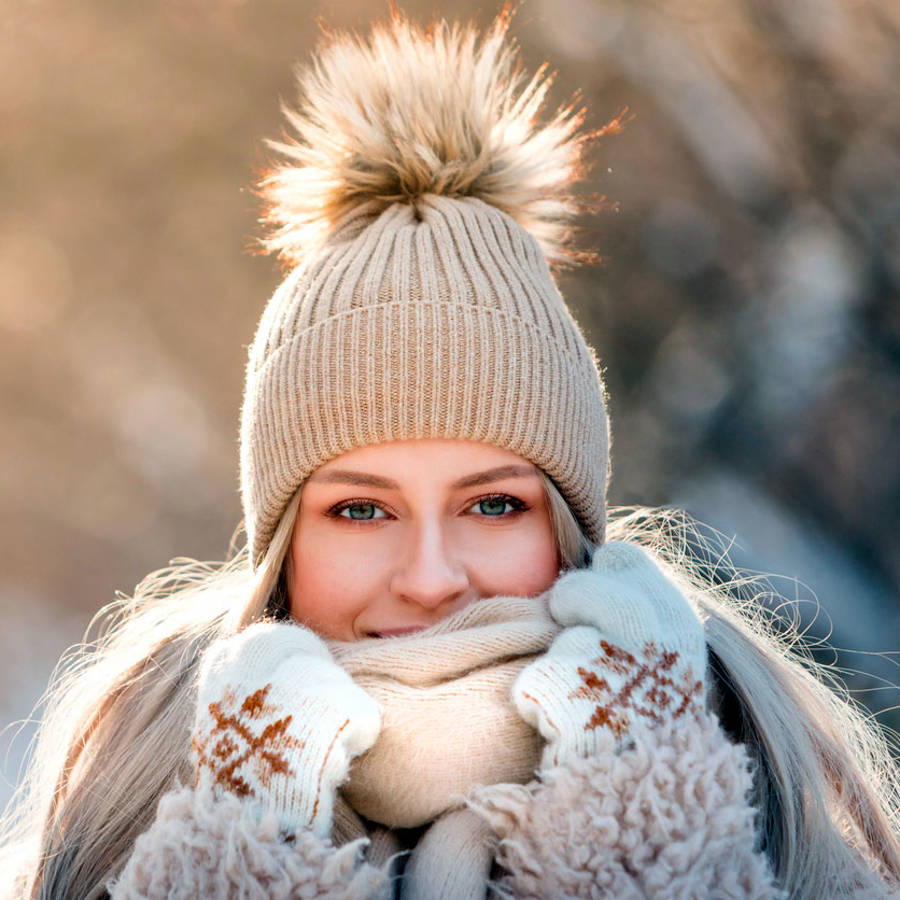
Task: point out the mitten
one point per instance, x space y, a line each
278 722
632 650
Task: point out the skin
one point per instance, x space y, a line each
394 537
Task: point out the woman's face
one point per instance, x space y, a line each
394 537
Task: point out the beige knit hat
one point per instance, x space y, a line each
418 209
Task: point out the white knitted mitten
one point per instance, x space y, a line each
278 721
632 649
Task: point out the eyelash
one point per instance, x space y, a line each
336 510
516 504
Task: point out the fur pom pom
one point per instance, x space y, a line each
412 111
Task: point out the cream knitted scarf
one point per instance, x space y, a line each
448 724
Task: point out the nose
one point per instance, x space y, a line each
430 573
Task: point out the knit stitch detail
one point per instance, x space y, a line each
278 723
506 319
231 744
654 688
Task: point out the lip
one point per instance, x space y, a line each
398 632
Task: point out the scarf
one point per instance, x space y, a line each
448 724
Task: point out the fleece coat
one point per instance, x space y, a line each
669 817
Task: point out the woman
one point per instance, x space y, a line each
532 703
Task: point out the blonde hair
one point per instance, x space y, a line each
115 733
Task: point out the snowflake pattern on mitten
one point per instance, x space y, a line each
235 740
654 687
278 722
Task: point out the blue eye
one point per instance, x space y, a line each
493 506
362 511
496 506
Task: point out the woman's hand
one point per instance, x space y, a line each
279 721
632 650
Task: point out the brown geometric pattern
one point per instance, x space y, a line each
653 688
232 742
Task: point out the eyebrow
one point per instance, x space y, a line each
365 479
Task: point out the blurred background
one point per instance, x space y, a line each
746 310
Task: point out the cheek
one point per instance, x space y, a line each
518 565
329 586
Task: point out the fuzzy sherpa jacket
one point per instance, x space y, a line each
668 818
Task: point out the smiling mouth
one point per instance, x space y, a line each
397 632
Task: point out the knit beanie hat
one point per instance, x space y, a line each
418 207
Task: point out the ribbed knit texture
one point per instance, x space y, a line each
452 860
439 319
